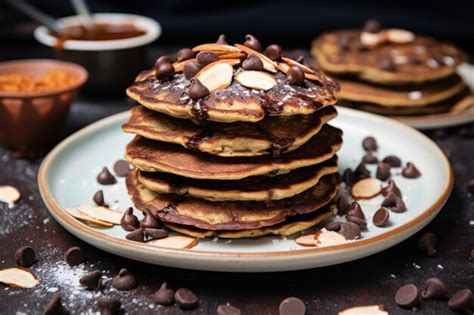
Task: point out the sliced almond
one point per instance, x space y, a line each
328 238
236 55
372 39
283 67
87 219
230 61
179 66
365 310
292 62
9 194
102 214
179 242
216 75
18 277
258 80
399 36
268 64
366 188
306 240
216 47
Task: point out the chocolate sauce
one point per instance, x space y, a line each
194 141
199 110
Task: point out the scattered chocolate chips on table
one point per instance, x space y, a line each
361 172
407 296
392 160
92 280
149 221
25 256
136 235
348 177
434 289
342 205
350 231
369 158
394 203
55 306
427 244
355 210
186 299
164 296
124 281
105 177
225 309
462 301
333 226
369 144
292 306
381 217
383 171
410 171
129 221
391 188
74 256
99 198
154 234
121 168
109 305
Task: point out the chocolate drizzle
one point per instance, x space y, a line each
194 141
199 110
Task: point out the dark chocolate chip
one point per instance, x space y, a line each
164 70
295 75
164 296
206 57
109 305
383 171
25 256
74 256
434 289
369 144
394 203
184 54
136 235
228 310
105 177
360 222
410 171
381 217
274 52
55 306
155 234
350 231
252 63
356 211
129 221
427 244
121 168
292 306
149 221
252 42
392 160
197 90
92 280
387 64
222 40
342 205
191 68
369 158
407 296
391 188
361 172
99 198
186 299
165 58
348 177
372 26
124 281
462 301
333 226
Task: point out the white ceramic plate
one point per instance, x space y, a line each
67 178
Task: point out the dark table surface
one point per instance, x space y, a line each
372 280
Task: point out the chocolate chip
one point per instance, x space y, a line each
191 68
383 171
121 168
92 280
124 281
360 222
356 211
381 217
350 231
333 226
394 203
99 198
74 256
154 234
129 221
462 301
25 256
387 64
136 236
292 306
222 40
434 290
55 306
197 90
252 42
184 54
186 299
392 160
164 70
391 188
427 244
105 177
206 57
295 75
164 296
407 296
410 171
274 52
228 310
348 177
252 63
361 172
369 144
369 158
342 205
109 305
372 26
165 58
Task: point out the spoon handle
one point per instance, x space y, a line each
36 15
83 12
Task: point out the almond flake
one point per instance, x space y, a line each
283 67
230 61
236 55
18 277
399 36
372 39
292 62
328 238
216 75
366 188
258 80
365 310
178 242
306 240
9 194
216 48
268 64
102 214
83 217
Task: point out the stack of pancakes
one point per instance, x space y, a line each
232 141
393 71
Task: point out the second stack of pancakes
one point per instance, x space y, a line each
232 141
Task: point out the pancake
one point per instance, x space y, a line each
271 135
257 188
236 215
423 59
293 225
154 156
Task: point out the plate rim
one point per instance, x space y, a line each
64 219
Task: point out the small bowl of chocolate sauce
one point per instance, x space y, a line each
112 49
